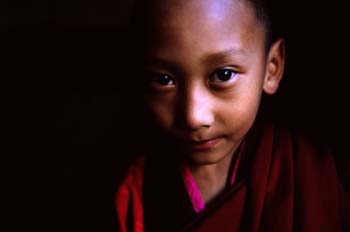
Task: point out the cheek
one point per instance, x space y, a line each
161 111
242 116
240 113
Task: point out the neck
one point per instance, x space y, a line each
211 179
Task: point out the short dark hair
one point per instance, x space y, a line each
269 13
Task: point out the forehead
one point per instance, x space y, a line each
196 24
167 12
196 20
196 7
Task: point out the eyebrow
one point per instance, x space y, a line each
224 55
159 62
210 58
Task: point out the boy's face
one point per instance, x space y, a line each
206 70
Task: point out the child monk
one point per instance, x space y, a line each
217 166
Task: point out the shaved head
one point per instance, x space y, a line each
147 13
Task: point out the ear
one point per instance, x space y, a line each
274 67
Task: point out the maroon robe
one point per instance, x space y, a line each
284 183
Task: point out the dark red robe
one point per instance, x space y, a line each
284 183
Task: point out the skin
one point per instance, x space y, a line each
206 70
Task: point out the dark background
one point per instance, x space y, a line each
61 68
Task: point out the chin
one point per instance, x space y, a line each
205 158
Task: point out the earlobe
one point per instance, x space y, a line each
275 67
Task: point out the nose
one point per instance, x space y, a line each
197 108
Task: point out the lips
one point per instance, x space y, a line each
204 144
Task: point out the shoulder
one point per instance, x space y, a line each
300 140
299 146
310 152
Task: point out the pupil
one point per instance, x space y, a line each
224 75
163 80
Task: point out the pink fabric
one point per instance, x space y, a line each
193 190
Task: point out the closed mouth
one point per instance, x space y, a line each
204 144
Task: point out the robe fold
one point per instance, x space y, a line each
283 183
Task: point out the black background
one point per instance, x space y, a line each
68 124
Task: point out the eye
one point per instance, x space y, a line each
163 79
159 81
223 75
